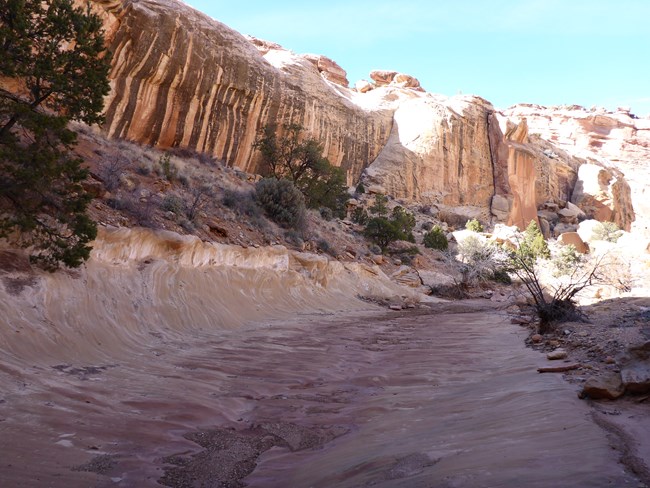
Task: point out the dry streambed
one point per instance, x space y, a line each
421 398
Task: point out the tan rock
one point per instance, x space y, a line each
603 137
438 153
608 386
557 355
406 81
363 86
180 78
573 239
382 77
603 195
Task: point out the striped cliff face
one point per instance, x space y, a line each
180 78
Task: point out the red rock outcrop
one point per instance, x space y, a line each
438 152
526 172
617 141
180 78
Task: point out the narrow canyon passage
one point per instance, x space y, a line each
428 398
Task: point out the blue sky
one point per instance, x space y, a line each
549 52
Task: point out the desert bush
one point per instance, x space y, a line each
479 260
324 246
360 189
382 231
300 160
199 196
294 237
111 172
555 299
167 168
326 213
405 221
173 203
282 202
533 246
380 207
436 239
141 212
360 216
241 202
565 260
474 225
606 231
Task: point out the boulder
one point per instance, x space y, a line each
573 239
636 372
551 217
382 77
561 228
500 207
545 228
605 387
557 355
407 276
406 81
363 86
604 195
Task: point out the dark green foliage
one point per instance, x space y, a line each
360 189
360 216
243 203
173 203
326 213
474 225
282 202
167 168
436 239
382 231
405 222
380 206
533 246
301 161
57 53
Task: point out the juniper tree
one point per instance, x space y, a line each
54 68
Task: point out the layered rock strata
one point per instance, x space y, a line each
180 78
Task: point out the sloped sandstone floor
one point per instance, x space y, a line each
429 398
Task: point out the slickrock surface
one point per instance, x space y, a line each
168 359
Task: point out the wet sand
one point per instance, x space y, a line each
420 399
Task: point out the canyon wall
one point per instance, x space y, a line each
618 143
182 79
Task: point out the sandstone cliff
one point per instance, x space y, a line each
182 79
618 142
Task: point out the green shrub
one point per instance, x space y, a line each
436 239
360 189
360 216
533 246
173 203
380 206
606 231
474 225
566 260
168 169
382 231
282 202
326 213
